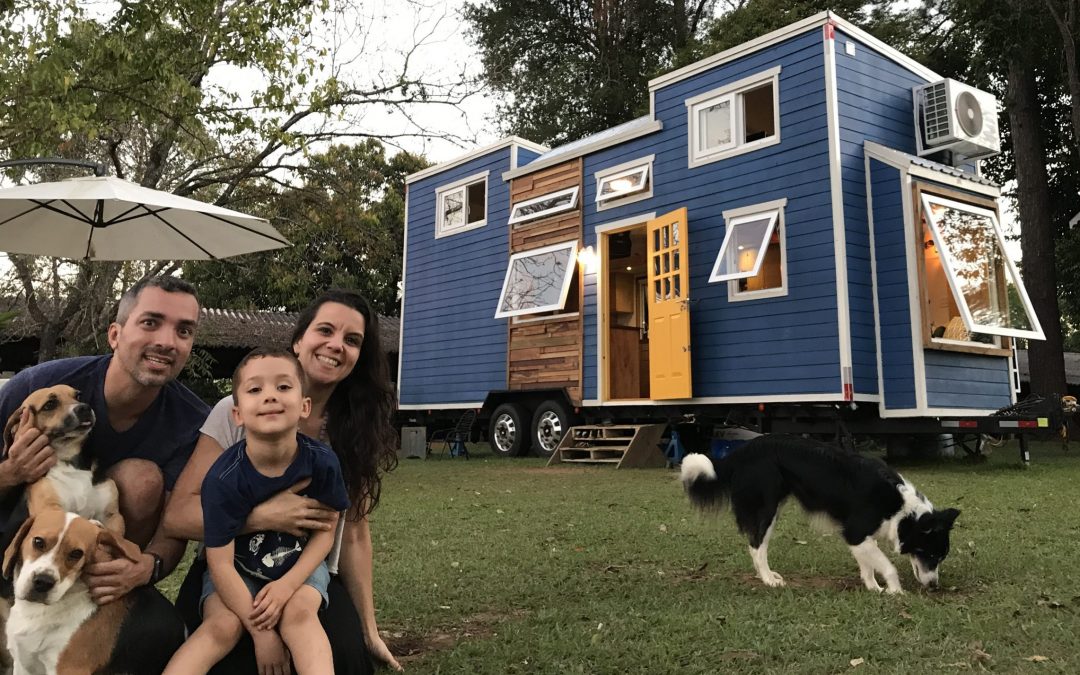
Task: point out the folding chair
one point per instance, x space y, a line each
455 437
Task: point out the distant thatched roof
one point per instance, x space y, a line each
227 328
1072 366
255 328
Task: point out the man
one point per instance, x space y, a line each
146 428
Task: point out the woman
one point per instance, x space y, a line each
337 341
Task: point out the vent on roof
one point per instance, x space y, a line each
955 117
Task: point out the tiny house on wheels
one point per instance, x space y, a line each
795 237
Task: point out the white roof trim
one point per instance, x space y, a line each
902 160
507 142
785 33
585 149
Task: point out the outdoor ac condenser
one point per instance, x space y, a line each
952 116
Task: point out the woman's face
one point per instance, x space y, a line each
330 346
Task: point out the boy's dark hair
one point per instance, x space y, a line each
266 353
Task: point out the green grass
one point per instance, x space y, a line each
506 566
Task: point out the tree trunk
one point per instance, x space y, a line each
1045 358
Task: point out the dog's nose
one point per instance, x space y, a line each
84 413
43 583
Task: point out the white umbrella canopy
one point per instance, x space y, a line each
106 218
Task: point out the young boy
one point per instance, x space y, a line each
287 576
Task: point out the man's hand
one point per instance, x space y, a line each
378 649
269 603
270 654
289 512
111 579
30 456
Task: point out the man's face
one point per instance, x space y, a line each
155 342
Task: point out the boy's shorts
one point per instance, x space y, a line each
318 580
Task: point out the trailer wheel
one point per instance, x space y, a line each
550 422
508 430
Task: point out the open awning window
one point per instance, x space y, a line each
744 246
985 283
544 205
538 280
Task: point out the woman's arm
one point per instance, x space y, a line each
354 568
183 517
284 512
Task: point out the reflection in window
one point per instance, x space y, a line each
544 205
969 278
624 183
538 280
462 207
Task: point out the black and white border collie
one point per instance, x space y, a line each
862 496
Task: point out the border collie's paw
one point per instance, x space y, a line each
772 579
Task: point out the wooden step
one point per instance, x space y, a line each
626 445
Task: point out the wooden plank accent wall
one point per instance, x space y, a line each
547 353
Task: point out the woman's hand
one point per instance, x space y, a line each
380 652
287 511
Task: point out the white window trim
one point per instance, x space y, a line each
625 169
732 216
958 297
572 204
731 91
442 191
571 269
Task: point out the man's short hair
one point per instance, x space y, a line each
169 284
267 353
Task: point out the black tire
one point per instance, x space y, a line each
549 423
508 430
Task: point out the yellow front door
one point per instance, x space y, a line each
669 307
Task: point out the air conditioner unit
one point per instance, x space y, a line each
955 117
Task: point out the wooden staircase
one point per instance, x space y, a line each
625 445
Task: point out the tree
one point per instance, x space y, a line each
565 69
201 98
345 222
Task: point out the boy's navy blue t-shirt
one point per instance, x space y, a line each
165 434
233 487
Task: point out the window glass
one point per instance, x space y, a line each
623 183
543 206
714 123
744 249
538 281
758 119
963 246
453 209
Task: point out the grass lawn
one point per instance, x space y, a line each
506 566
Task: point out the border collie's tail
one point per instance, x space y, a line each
706 489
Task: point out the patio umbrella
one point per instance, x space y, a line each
106 218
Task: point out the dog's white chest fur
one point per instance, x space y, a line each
37 633
78 494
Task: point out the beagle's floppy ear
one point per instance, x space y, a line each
118 545
11 428
12 555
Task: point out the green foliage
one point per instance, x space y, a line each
565 70
345 222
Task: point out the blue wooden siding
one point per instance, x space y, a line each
454 350
890 250
770 347
874 103
973 381
525 155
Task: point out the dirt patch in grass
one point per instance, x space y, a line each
409 646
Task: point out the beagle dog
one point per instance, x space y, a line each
54 627
70 485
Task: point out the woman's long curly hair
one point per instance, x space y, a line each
360 412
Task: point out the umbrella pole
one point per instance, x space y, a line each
99 168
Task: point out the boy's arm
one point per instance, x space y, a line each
315 551
228 584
